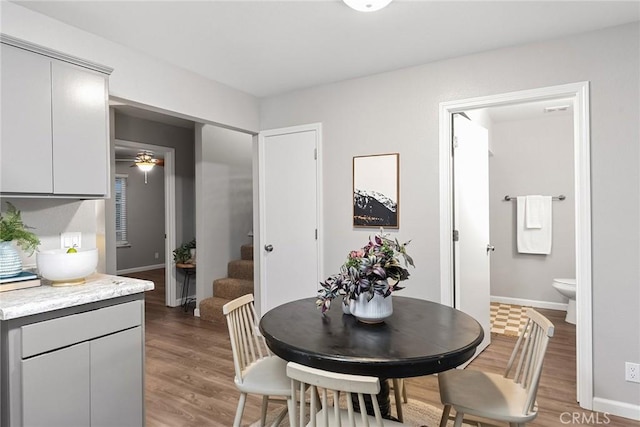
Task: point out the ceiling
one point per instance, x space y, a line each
270 47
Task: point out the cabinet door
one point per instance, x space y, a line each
55 388
117 386
80 133
25 141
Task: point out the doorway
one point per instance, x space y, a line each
578 95
168 154
288 241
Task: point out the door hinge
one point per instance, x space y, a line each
315 154
316 234
456 235
454 143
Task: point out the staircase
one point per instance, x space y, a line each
239 282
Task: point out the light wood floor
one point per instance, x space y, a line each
189 371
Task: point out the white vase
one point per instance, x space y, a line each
345 307
10 262
374 311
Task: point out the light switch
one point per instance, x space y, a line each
71 239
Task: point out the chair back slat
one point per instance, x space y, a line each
329 385
246 345
530 350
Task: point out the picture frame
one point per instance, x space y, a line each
376 191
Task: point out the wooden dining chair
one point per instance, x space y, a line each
399 396
324 399
508 398
257 371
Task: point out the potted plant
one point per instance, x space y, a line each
374 271
12 229
185 253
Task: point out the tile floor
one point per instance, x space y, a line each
507 319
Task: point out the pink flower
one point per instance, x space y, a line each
356 254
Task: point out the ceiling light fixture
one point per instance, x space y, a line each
367 5
145 167
145 163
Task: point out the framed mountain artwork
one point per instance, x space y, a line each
376 190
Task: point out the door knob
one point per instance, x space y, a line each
268 248
490 248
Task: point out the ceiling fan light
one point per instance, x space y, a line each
145 166
367 5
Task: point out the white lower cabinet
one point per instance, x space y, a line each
80 369
55 388
117 390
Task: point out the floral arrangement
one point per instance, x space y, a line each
374 269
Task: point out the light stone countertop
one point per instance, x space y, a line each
44 298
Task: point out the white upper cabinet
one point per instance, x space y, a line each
25 147
80 143
54 121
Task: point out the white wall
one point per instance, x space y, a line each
224 201
398 112
136 76
531 156
50 217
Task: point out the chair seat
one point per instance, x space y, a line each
344 418
484 394
267 376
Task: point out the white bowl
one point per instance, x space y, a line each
64 268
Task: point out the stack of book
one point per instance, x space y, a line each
25 279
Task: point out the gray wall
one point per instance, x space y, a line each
398 112
225 205
145 219
182 140
531 156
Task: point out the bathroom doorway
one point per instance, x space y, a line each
577 96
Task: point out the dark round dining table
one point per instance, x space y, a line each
420 338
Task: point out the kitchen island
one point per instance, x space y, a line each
73 355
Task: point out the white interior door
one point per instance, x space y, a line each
288 193
472 249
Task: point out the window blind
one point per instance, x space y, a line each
121 210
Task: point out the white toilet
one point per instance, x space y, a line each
567 287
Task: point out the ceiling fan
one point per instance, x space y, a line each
145 161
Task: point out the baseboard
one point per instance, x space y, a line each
530 303
138 269
614 407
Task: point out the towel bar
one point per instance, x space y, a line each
508 198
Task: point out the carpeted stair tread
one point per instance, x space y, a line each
211 309
246 252
230 288
240 269
239 282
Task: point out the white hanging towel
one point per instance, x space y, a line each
534 240
534 211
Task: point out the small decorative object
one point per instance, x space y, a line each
12 229
368 277
376 190
183 254
67 267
